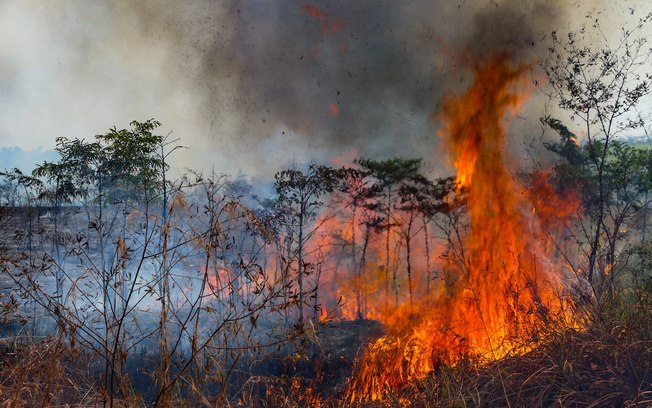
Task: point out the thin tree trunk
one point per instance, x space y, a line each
317 278
427 243
354 263
57 251
387 231
163 346
408 240
363 269
300 266
645 209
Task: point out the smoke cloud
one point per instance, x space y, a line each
328 77
251 85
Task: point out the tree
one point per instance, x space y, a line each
619 207
413 193
388 174
355 194
66 180
421 197
298 199
133 164
124 166
601 86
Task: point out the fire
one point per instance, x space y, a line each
327 23
333 109
502 246
511 284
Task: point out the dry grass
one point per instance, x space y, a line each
44 372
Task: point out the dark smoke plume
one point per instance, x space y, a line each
261 83
363 75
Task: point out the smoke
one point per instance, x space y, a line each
327 77
251 85
514 30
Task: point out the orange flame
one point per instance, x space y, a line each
510 285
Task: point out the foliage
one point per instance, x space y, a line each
75 173
132 165
619 207
121 164
601 85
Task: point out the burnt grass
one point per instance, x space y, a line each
48 370
325 366
609 364
322 362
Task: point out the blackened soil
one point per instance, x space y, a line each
341 345
324 365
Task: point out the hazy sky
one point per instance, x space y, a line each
252 85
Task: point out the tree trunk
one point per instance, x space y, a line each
356 274
645 208
163 346
427 243
408 240
300 266
387 231
363 270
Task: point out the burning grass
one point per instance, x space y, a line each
510 286
608 364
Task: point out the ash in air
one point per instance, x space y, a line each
240 80
343 75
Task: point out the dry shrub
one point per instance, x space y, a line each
43 372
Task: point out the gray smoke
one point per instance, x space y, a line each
337 75
252 85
